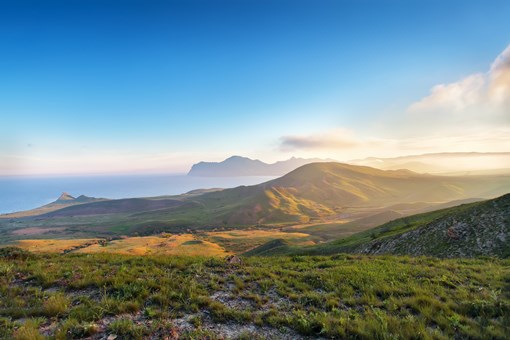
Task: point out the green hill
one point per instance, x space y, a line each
317 191
469 230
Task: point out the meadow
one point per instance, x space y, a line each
343 296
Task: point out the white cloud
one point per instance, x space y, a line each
481 98
455 97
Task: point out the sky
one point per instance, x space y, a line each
94 87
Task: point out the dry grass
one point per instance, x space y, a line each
254 234
219 243
239 241
53 246
185 244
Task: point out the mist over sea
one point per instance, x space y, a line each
23 193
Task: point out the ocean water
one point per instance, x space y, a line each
23 193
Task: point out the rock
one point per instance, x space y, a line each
452 234
233 259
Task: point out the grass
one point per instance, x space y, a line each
157 245
53 245
239 241
185 244
342 296
215 243
350 243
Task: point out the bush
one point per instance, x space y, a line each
55 305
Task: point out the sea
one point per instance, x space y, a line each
23 193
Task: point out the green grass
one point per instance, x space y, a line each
342 296
350 243
388 229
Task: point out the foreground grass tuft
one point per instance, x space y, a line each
342 296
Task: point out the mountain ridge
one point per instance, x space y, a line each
244 166
467 163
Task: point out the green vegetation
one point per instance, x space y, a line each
468 230
75 296
318 193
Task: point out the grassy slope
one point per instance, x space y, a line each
397 230
348 244
285 297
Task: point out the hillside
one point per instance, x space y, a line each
478 230
243 166
468 230
313 193
64 200
326 190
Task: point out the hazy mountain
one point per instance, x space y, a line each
242 166
458 163
64 198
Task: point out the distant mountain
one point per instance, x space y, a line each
454 163
63 201
64 198
118 206
242 166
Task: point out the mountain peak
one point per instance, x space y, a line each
239 159
65 197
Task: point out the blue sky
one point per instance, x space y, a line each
120 86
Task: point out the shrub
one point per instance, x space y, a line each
55 305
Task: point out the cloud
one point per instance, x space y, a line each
454 97
480 97
339 140
332 140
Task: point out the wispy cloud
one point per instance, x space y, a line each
480 97
331 140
